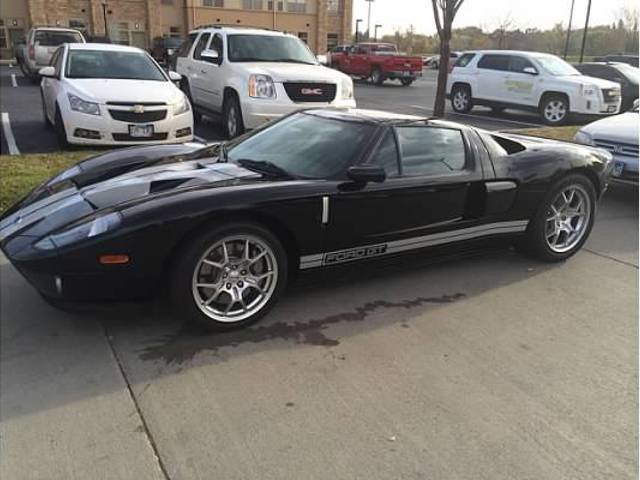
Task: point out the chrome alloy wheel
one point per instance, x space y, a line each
460 100
232 121
235 278
555 111
567 219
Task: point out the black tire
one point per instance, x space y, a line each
61 134
406 82
232 117
461 100
535 242
45 119
189 259
184 86
551 108
497 109
376 76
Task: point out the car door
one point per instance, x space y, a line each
492 76
196 71
211 75
522 81
434 183
51 85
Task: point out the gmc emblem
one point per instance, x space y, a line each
311 91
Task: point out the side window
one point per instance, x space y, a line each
431 150
54 58
217 44
518 64
464 60
183 51
201 45
494 62
386 155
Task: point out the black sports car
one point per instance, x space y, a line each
228 224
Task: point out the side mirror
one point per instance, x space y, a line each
530 70
174 76
47 72
366 174
210 56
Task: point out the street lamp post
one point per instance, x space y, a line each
375 37
369 20
566 44
358 22
104 16
584 34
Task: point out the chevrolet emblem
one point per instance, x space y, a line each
138 108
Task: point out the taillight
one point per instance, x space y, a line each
32 52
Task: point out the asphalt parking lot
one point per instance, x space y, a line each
487 366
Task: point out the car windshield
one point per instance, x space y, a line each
269 48
556 66
632 73
171 42
112 64
304 145
53 38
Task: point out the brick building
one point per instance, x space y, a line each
321 23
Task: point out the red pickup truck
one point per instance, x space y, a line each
377 61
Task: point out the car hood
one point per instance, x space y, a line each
104 90
584 79
295 72
55 205
621 128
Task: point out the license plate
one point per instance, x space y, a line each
611 108
141 131
618 168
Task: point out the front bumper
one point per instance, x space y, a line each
172 129
257 111
596 105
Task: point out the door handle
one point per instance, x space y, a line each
203 71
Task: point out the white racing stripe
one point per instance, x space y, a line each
8 135
397 246
14 82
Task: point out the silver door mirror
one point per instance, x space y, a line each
174 76
47 72
209 55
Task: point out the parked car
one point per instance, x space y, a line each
619 57
334 54
40 44
251 76
618 135
529 81
98 39
435 60
163 49
379 62
227 225
627 76
101 94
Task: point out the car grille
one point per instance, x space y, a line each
311 92
133 117
610 95
125 137
624 149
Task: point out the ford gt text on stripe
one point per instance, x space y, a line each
228 224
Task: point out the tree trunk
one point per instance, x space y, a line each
443 72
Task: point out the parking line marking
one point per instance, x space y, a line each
8 135
200 139
14 82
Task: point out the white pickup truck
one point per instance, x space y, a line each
529 81
251 76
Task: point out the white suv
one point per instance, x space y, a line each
251 76
528 81
40 44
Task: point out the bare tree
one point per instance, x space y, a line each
444 12
505 25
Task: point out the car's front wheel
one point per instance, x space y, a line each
461 99
376 76
563 221
232 114
406 82
230 276
555 109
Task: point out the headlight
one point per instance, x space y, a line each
588 90
261 86
169 51
93 227
347 89
80 105
583 137
182 106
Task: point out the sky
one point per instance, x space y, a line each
487 14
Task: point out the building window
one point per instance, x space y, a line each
333 5
252 4
213 3
167 2
280 5
174 32
119 33
332 40
297 6
3 35
304 36
78 25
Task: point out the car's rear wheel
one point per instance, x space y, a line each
376 76
233 123
563 221
555 109
61 133
461 99
406 81
230 276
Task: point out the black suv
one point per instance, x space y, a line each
622 73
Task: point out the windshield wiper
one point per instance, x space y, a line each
266 168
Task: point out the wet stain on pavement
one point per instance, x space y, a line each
184 344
